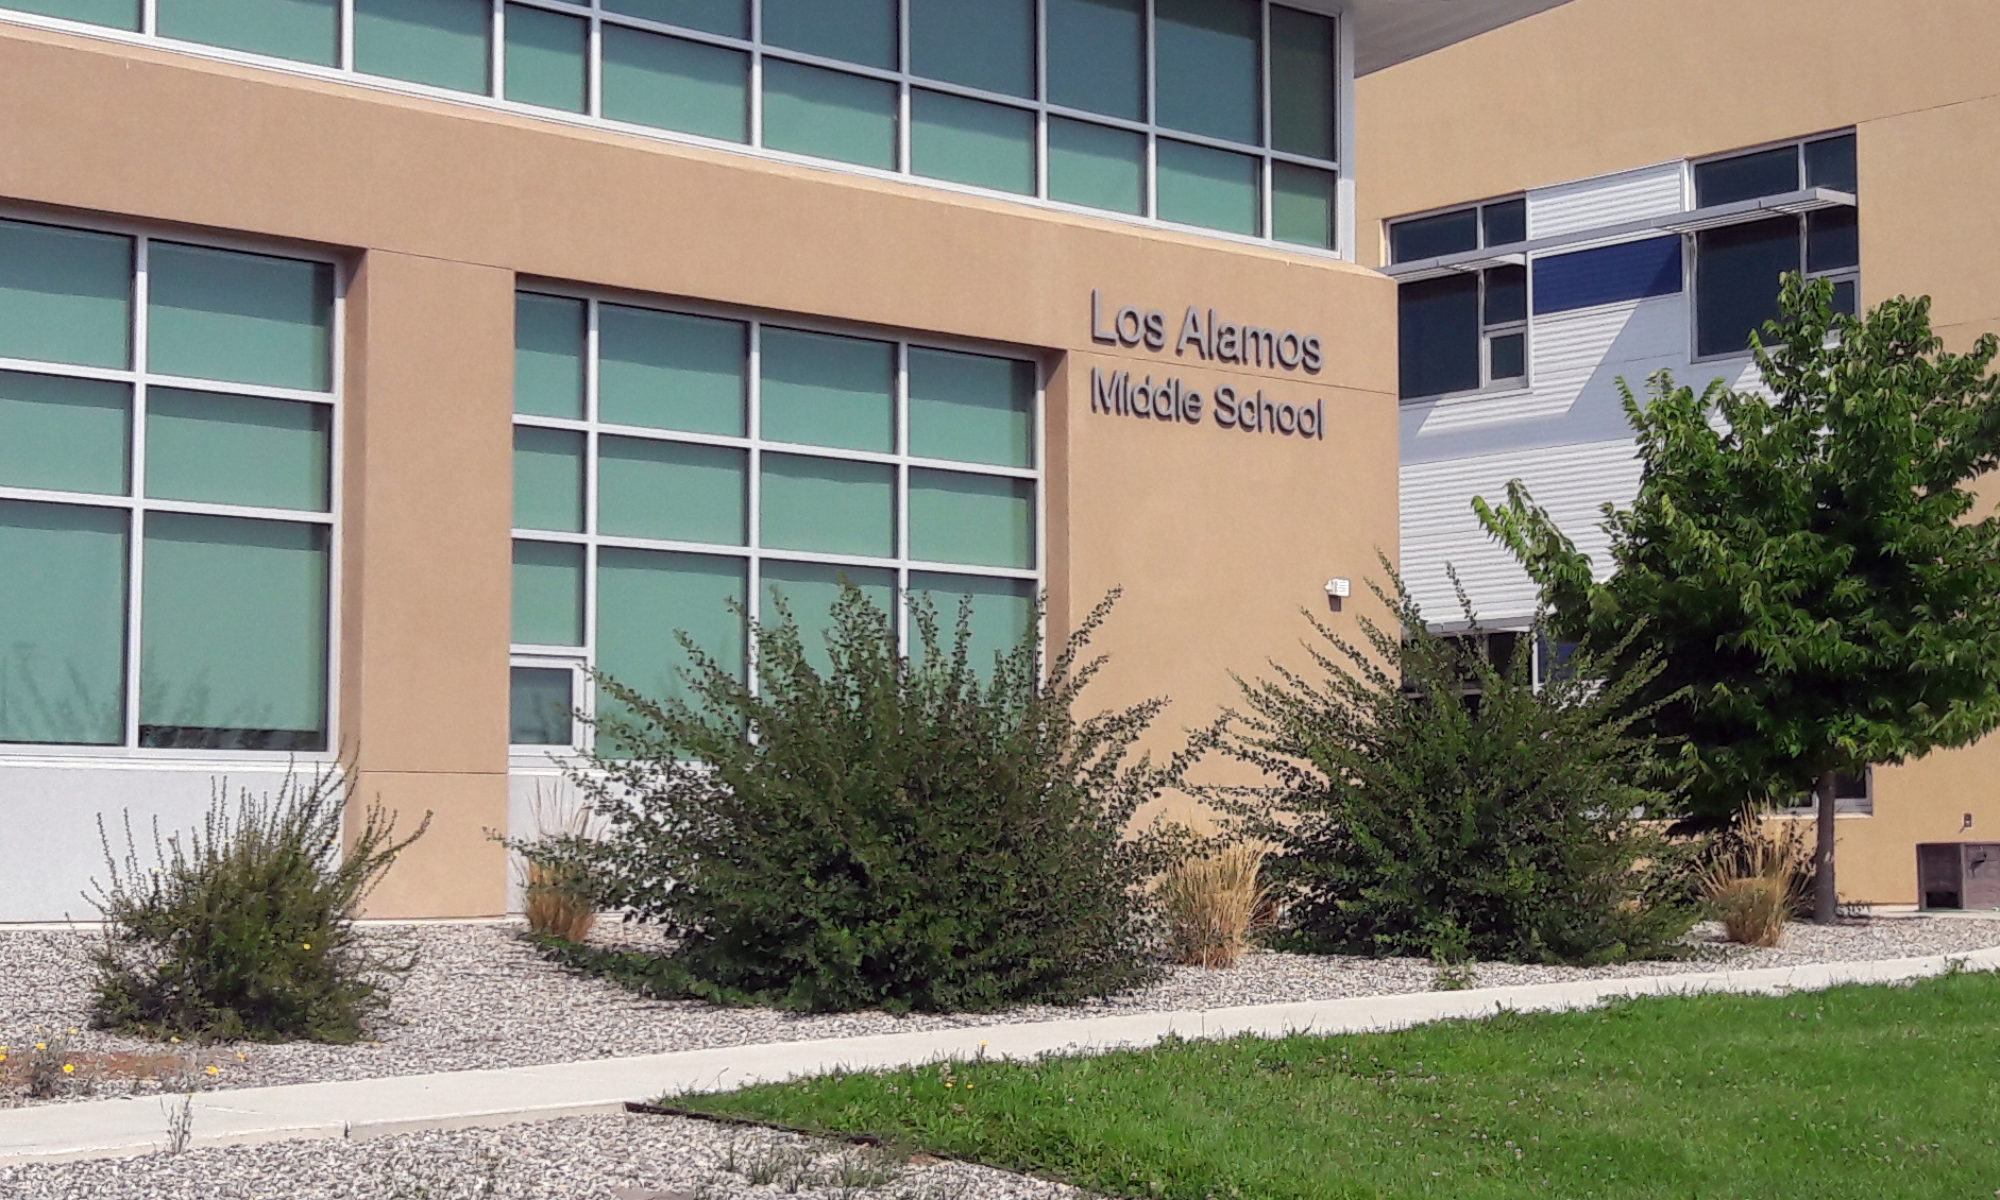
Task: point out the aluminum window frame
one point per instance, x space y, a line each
1509 254
138 505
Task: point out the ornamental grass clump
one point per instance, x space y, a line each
866 828
244 929
1758 880
1210 903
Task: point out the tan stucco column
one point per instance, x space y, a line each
426 570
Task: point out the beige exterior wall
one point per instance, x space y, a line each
1218 537
1598 86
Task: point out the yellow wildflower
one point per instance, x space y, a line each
175 1040
41 1045
305 945
69 1068
214 1070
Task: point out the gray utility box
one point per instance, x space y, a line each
1958 874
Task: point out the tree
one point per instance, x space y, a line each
1806 561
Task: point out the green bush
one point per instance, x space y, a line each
890 831
1426 799
244 929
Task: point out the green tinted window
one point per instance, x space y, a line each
233 634
824 390
809 591
1097 166
985 520
548 356
669 371
643 598
302 30
65 295
730 18
545 58
62 624
237 449
829 114
1302 205
671 490
972 408
1003 610
444 43
118 14
1211 188
986 44
856 31
65 435
1207 64
548 594
1303 69
540 708
971 141
672 83
829 506
1097 56
245 318
548 479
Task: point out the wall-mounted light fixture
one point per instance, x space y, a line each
1337 590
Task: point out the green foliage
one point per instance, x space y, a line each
244 929
1807 567
890 831
1427 800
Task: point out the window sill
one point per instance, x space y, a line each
1493 393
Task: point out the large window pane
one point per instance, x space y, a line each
988 44
1097 56
66 435
118 14
985 520
1097 166
972 408
1830 164
1736 274
548 594
540 706
237 449
1833 239
62 624
1304 66
233 634
972 141
809 590
1505 221
643 598
1439 335
856 31
65 295
303 30
1302 205
1002 612
824 390
671 490
829 114
828 506
1207 67
545 58
670 371
731 18
1747 176
548 356
1434 237
245 318
444 43
548 479
672 83
1211 188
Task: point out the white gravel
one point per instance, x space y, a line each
580 1158
481 997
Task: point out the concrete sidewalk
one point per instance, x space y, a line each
372 1108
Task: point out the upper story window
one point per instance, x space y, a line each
1467 330
1738 266
166 492
1217 114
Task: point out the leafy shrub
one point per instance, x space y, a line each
1210 903
1428 800
245 928
890 831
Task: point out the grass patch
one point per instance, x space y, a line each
1859 1091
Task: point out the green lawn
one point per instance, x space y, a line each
1857 1092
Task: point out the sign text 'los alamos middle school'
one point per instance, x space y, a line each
1209 337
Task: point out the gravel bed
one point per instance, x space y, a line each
578 1158
481 997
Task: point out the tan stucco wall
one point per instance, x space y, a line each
1218 537
1597 86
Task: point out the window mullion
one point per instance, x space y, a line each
135 546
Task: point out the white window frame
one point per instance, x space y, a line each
138 505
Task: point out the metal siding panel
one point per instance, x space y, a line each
1588 204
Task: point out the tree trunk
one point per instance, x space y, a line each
1826 899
